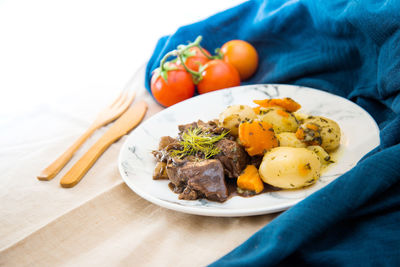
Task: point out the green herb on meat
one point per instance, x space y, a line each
195 141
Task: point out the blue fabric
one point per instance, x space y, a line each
348 48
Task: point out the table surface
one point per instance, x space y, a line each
61 63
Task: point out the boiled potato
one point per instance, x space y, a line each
290 167
231 117
300 116
329 132
323 156
289 139
281 120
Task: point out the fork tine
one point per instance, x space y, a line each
122 99
117 99
130 99
126 100
125 105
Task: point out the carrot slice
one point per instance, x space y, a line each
286 103
257 110
250 180
282 113
257 137
312 126
300 134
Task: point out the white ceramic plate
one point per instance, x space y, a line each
360 135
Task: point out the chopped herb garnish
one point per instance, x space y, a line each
264 111
194 141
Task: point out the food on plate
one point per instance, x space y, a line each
290 167
281 119
323 156
200 159
285 103
257 137
233 157
242 55
243 153
289 139
317 130
278 112
233 115
250 180
199 179
207 72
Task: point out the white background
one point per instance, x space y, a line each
50 50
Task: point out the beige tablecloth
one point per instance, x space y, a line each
101 221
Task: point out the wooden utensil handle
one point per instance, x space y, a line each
80 168
129 120
54 168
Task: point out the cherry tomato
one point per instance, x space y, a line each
193 62
179 86
242 55
218 75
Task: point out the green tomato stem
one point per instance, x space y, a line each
163 66
218 54
195 74
179 52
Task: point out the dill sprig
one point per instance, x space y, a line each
196 140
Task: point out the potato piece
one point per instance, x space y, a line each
323 156
289 167
329 132
231 117
281 120
289 139
300 117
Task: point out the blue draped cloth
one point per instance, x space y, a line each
348 48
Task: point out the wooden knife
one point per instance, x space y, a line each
129 120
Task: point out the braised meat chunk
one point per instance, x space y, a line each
160 171
166 143
210 126
199 179
232 156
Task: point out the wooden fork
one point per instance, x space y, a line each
107 115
